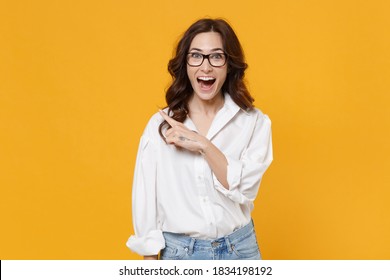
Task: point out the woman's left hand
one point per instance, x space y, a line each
180 136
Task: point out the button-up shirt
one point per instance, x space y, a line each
175 190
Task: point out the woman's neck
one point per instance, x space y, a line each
206 107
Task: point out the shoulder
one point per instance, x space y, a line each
151 129
256 114
155 120
253 113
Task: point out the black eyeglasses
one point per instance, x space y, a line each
196 59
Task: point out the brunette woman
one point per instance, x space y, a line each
201 159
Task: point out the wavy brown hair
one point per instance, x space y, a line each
180 91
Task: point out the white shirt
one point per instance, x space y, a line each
176 191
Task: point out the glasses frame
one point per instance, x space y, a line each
204 56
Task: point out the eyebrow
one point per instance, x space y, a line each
213 50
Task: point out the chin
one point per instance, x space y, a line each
206 96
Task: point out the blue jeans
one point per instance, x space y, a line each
239 245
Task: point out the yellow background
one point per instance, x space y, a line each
80 79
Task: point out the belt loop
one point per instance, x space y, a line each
228 245
191 247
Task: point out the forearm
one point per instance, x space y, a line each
216 160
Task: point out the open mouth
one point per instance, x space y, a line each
206 82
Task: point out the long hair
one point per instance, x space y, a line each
180 91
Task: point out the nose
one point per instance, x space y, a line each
206 66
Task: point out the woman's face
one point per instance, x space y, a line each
207 80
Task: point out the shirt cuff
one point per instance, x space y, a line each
148 245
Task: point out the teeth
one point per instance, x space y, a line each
206 78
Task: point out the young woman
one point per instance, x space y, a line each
200 160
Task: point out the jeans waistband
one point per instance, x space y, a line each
190 242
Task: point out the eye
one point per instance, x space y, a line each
216 56
196 55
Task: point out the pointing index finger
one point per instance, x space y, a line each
169 120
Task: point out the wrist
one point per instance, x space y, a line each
204 145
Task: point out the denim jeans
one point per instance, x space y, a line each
239 245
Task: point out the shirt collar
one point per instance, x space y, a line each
224 115
227 112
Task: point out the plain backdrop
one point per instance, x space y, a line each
80 79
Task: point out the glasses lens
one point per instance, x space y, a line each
217 59
194 59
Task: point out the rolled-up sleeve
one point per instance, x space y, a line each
244 174
148 238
